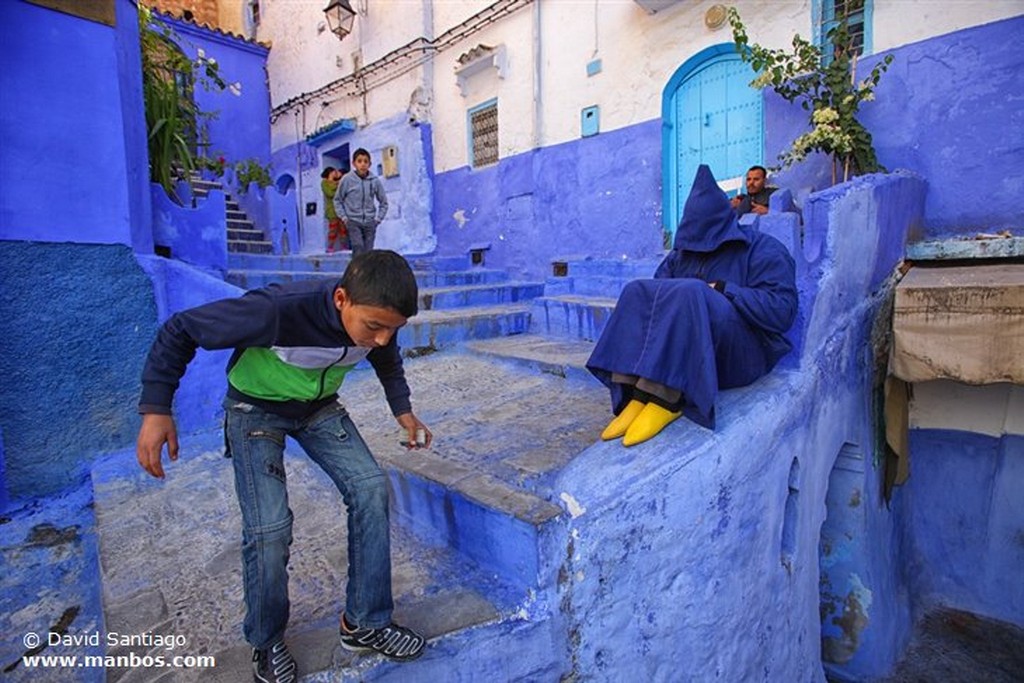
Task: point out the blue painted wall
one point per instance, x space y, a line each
965 522
177 286
695 556
241 129
74 163
949 108
599 196
76 325
194 235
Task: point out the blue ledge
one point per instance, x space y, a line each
331 129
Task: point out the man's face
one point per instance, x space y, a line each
335 175
755 181
369 326
362 164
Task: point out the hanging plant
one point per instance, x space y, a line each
827 89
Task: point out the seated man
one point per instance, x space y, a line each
756 198
713 317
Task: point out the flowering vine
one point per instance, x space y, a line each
828 89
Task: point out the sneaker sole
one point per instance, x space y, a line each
363 649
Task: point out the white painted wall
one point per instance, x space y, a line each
899 22
545 85
991 409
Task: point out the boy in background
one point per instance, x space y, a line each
362 202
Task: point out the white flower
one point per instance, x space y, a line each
235 88
824 115
201 53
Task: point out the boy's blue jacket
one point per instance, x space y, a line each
291 351
355 196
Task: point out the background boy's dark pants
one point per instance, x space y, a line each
362 236
256 444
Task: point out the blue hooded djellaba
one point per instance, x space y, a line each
714 316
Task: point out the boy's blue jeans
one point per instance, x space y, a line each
255 440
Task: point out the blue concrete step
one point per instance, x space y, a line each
571 316
559 357
452 278
439 262
334 263
624 268
248 234
436 298
253 278
429 331
599 277
502 430
249 246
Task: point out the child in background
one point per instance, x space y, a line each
336 231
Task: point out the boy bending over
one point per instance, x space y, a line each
293 345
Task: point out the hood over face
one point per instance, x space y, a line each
708 219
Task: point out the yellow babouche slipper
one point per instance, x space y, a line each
618 426
651 420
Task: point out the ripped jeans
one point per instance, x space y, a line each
255 441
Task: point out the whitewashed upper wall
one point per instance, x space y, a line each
899 22
639 52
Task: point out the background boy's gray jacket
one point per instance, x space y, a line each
355 199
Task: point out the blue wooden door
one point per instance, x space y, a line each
716 120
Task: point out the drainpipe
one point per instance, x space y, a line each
300 223
428 31
538 105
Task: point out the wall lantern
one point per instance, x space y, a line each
340 17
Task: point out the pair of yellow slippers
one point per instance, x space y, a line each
638 422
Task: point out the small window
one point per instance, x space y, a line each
483 134
254 7
857 14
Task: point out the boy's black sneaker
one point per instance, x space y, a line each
273 664
393 641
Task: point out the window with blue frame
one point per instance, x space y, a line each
483 134
857 14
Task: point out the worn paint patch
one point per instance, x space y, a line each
460 218
851 623
572 505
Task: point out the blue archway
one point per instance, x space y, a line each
710 115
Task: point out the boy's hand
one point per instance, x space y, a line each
411 424
156 431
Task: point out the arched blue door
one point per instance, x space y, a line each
711 116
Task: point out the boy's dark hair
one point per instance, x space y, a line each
762 169
360 153
327 171
381 278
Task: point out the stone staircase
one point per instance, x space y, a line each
509 409
457 301
243 235
497 371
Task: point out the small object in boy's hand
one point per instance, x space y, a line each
421 440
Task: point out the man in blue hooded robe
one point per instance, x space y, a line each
713 317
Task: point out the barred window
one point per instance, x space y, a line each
857 14
483 134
